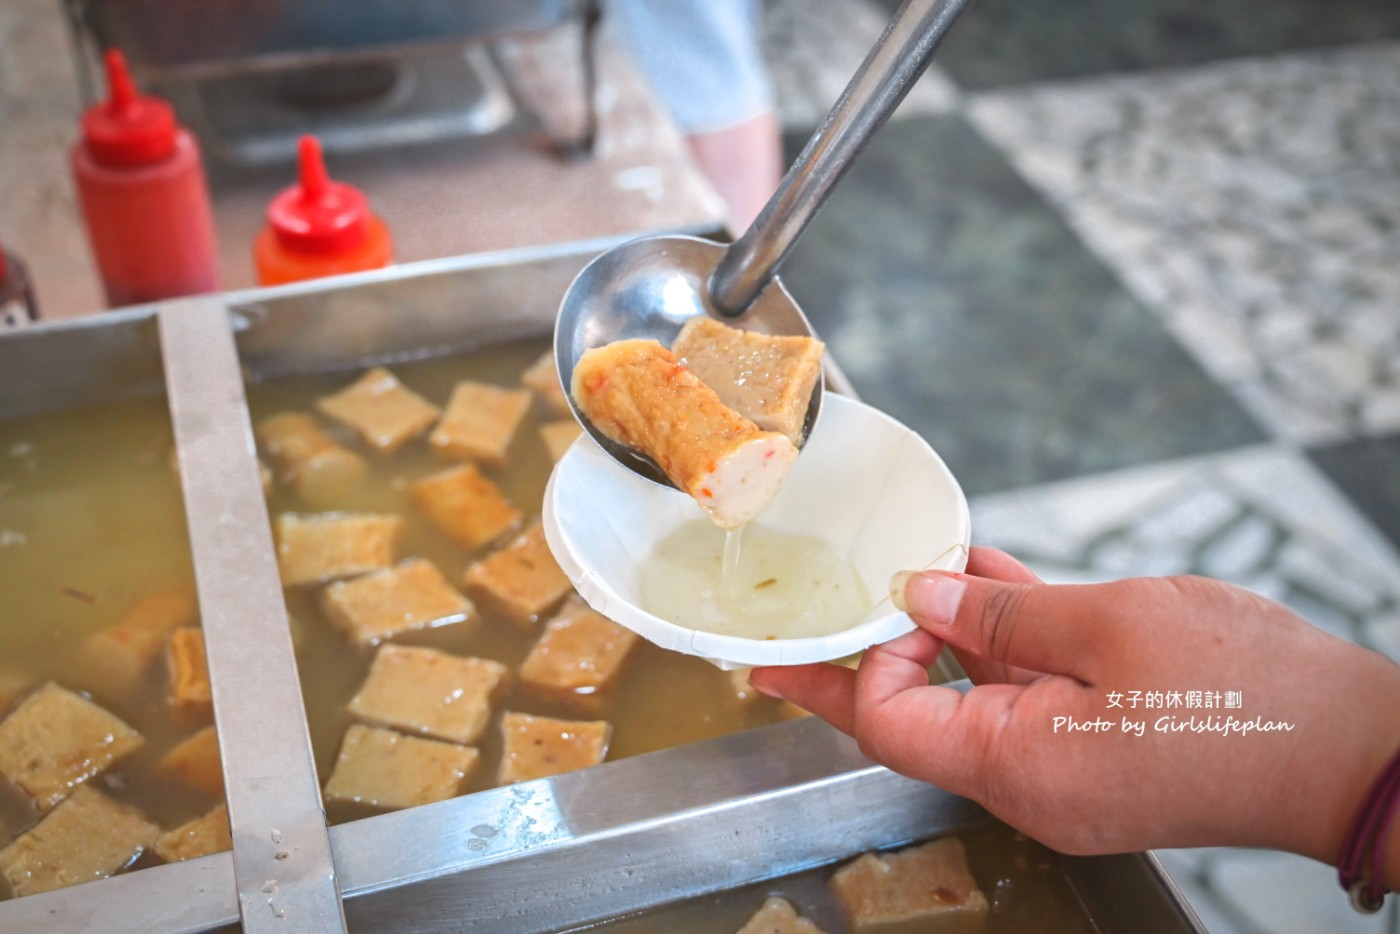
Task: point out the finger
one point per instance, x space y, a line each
826 690
894 701
898 665
998 565
972 744
1062 629
986 671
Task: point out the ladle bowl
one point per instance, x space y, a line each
648 288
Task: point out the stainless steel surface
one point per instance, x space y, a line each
1117 889
210 37
657 829
256 118
195 895
635 834
451 198
405 312
649 287
539 856
281 849
898 59
249 79
73 363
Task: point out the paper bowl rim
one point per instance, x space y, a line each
728 651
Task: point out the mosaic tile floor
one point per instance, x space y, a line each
1134 269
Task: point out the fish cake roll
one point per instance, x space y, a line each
637 393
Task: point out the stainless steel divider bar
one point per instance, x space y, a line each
281 845
178 898
625 836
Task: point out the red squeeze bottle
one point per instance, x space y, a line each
143 196
319 227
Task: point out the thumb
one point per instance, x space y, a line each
1055 629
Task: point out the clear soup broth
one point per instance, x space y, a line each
1026 888
660 698
90 521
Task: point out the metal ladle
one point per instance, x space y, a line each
649 287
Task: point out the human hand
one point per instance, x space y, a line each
1040 653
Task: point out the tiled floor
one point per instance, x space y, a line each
1133 267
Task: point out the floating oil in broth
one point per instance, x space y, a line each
758 584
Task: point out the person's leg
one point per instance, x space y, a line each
744 162
703 61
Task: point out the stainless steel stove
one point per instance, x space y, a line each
250 78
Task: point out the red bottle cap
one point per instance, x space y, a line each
318 215
128 128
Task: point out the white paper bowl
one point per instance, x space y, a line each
865 484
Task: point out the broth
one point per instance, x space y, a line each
752 582
1024 882
661 698
90 520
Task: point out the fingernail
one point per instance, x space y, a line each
897 584
934 597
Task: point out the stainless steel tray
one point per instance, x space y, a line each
539 856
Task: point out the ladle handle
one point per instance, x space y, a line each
884 78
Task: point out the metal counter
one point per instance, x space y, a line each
539 856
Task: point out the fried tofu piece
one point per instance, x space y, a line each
386 769
194 838
430 693
637 393
55 740
314 549
384 411
466 506
559 436
195 764
480 422
12 685
189 672
306 458
543 377
521 581
537 747
777 916
922 888
89 836
383 604
580 652
767 379
119 658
